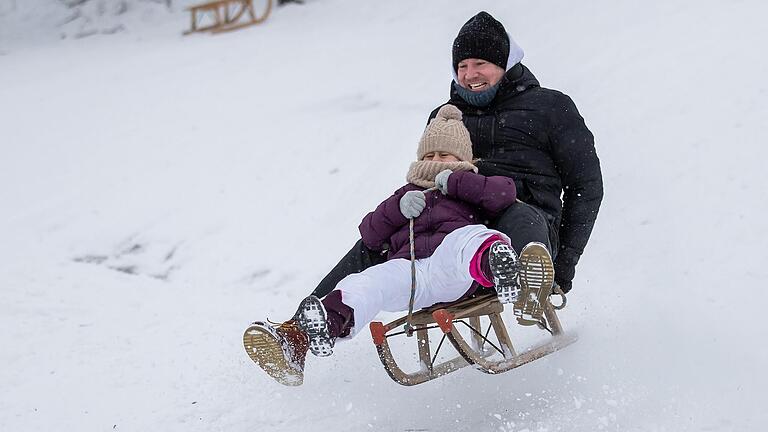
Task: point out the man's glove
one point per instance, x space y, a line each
412 204
441 181
565 268
564 285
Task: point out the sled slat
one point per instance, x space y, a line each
501 333
477 338
552 319
425 355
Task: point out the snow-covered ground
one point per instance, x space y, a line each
159 192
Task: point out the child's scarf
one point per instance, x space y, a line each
422 173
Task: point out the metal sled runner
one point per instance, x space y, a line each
478 350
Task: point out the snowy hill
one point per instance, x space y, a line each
160 192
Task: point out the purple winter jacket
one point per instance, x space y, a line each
471 199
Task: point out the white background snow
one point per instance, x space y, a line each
160 192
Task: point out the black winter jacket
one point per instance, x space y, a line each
537 137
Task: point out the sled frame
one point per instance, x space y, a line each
475 351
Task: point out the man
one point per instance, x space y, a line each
520 130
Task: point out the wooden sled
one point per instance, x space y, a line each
227 15
479 350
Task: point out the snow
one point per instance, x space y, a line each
160 192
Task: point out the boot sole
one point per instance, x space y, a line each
505 267
537 274
264 348
313 320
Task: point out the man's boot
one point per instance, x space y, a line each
537 274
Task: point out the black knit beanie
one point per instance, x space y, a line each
482 37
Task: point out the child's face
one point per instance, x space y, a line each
440 157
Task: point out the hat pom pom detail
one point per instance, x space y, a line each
449 112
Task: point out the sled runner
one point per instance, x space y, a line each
532 308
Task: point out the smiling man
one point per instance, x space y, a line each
532 134
523 131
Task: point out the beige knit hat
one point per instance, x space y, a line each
446 133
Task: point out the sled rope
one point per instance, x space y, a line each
408 322
408 325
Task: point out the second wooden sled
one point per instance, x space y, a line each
478 350
227 15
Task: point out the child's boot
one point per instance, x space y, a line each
279 350
313 319
505 268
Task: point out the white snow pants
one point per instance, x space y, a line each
442 277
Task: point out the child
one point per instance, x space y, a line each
453 250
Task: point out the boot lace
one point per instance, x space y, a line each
285 325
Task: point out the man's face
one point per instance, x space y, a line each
478 75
